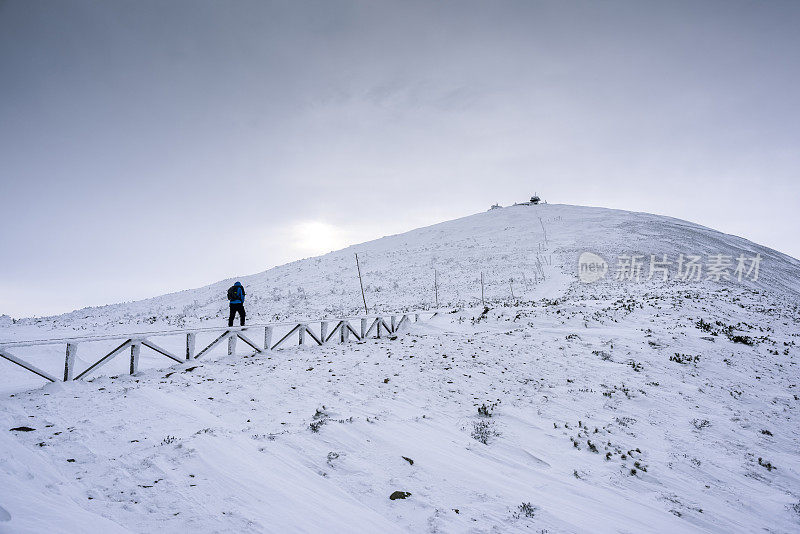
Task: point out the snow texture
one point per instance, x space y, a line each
645 406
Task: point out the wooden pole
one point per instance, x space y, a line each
135 350
190 343
323 330
361 282
69 363
483 301
267 338
101 361
436 286
32 368
511 285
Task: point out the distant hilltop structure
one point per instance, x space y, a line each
532 202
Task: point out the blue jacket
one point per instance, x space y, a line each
239 293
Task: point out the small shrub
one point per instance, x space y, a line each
700 424
766 465
318 420
684 359
744 340
483 431
526 509
603 355
487 411
704 326
484 314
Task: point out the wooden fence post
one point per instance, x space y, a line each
323 330
190 343
136 348
69 361
267 338
135 343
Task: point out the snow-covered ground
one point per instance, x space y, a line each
618 406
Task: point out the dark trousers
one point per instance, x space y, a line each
239 307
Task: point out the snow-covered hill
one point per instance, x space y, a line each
505 244
614 406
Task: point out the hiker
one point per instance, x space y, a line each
236 296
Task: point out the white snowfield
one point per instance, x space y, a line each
618 406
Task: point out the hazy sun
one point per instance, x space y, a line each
317 237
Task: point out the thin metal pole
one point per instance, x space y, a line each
483 301
358 266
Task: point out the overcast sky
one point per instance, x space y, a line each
147 147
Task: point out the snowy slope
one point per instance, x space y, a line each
611 407
398 270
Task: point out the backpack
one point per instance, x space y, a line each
233 294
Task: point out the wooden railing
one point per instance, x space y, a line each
368 326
